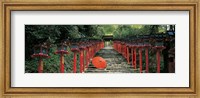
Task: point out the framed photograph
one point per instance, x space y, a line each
83 48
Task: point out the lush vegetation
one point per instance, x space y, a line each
36 34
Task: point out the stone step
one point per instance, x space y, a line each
116 63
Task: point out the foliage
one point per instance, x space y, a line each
36 34
54 34
125 31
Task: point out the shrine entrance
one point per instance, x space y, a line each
108 40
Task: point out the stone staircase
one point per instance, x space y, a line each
116 63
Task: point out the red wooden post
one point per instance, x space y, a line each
62 68
135 58
140 55
62 60
158 61
92 51
125 54
147 46
81 61
95 49
146 40
124 51
82 48
158 50
119 47
74 67
128 55
89 53
98 46
40 67
87 57
133 52
132 57
147 60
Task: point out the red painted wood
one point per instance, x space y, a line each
128 56
119 48
87 57
125 51
140 55
92 51
61 63
147 60
81 61
74 67
158 61
135 59
122 50
132 52
40 67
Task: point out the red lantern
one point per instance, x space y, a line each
159 46
75 49
41 51
62 49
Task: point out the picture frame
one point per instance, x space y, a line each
119 5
